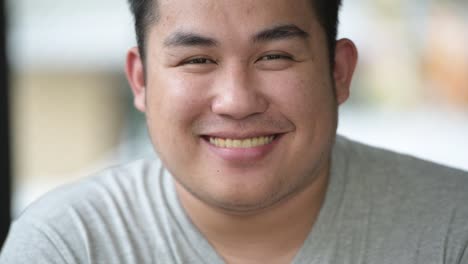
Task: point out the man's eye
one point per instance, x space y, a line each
199 61
274 57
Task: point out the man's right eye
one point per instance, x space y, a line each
198 61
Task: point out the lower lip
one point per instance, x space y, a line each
243 155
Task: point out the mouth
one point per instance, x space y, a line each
241 143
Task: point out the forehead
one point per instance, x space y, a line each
233 18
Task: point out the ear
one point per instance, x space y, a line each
346 56
136 78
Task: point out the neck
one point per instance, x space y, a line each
277 232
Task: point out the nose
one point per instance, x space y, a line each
237 94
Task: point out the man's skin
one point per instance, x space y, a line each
222 69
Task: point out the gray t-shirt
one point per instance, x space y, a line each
380 208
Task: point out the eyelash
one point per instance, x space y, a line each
274 57
268 57
198 61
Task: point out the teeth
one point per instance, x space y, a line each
241 143
236 143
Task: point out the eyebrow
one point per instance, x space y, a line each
189 39
180 39
280 32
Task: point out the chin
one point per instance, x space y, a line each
245 200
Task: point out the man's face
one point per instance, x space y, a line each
239 98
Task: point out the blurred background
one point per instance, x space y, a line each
71 108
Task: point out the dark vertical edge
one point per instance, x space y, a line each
5 158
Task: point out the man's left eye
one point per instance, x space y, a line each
274 57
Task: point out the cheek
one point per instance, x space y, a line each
177 98
173 104
300 94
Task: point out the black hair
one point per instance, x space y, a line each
145 12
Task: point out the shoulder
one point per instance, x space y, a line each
401 181
410 190
405 191
94 217
99 189
412 171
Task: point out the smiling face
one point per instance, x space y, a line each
240 101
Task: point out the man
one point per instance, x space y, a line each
241 99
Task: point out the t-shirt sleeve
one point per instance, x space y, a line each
34 243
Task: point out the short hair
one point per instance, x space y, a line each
145 12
